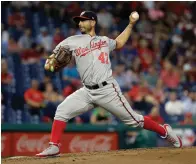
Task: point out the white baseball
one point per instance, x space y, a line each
135 15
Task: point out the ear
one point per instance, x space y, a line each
93 23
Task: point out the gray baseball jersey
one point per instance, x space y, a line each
91 56
93 64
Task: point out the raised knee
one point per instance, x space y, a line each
135 122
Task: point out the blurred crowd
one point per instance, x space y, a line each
155 70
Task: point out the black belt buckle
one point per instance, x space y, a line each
96 86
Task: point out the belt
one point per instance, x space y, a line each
97 85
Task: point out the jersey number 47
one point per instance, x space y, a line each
103 57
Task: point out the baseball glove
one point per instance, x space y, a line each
59 60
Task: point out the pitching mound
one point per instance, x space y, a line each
137 156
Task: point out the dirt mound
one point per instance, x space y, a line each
136 156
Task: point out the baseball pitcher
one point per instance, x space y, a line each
92 56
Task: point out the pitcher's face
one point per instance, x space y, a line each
86 26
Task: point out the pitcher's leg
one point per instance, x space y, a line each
74 105
121 108
130 117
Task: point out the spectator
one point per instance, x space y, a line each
45 39
100 116
104 18
6 81
145 54
144 25
51 95
170 76
155 115
71 75
142 105
173 106
190 103
158 92
26 40
4 34
4 40
52 99
31 55
119 75
130 51
74 9
57 38
136 65
6 76
188 119
138 91
151 76
46 80
16 18
69 89
13 47
156 13
34 98
131 77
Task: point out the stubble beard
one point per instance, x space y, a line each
87 31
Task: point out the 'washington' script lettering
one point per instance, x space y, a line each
94 45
